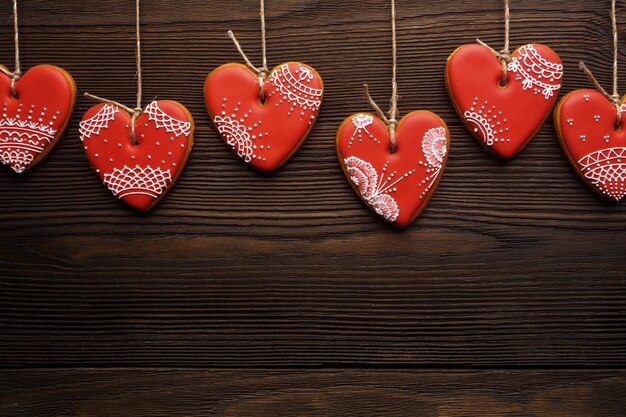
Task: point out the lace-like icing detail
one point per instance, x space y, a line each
293 88
22 140
606 169
363 175
97 122
487 122
236 136
374 188
361 122
16 159
27 128
434 146
138 180
536 71
164 120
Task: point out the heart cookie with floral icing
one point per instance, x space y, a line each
32 123
504 119
585 124
397 186
264 135
138 174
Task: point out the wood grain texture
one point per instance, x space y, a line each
302 393
242 393
511 264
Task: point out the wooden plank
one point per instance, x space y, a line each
510 264
312 393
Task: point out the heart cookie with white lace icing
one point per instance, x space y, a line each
397 186
504 119
585 124
138 174
264 135
32 123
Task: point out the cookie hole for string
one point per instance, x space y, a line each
262 75
14 94
502 83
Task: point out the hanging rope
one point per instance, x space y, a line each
390 121
261 72
133 112
504 55
17 72
615 97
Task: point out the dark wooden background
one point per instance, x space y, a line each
249 295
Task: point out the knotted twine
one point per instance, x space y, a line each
134 112
390 121
261 72
615 97
503 55
17 72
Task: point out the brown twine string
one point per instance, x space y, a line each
263 71
390 121
613 98
17 73
136 111
504 55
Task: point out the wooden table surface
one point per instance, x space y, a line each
252 295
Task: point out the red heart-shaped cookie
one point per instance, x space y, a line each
141 174
397 186
264 135
32 123
585 124
503 118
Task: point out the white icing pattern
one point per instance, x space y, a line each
293 87
487 122
365 177
241 137
236 136
361 121
98 121
164 120
537 72
606 169
377 189
435 146
22 138
137 180
17 160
